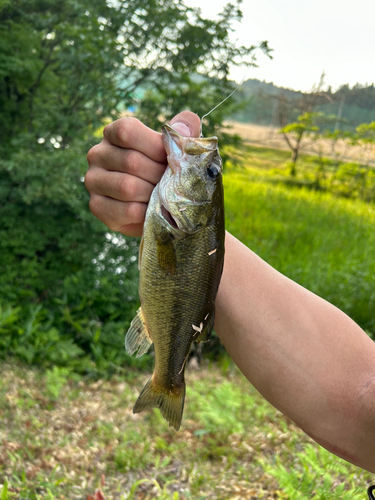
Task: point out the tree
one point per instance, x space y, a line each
306 123
295 132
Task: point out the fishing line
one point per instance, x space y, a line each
250 65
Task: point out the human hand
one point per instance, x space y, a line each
125 167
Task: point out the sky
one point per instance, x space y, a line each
308 37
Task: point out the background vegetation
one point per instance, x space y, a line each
353 105
68 285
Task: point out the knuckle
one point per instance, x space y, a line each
131 161
98 210
128 187
94 205
89 180
123 132
92 155
125 129
129 123
107 130
135 212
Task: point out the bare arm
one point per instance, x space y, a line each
304 355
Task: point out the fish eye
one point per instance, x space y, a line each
213 171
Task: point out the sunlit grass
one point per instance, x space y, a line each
325 243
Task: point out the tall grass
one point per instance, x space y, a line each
326 244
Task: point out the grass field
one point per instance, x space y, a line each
324 242
270 137
63 437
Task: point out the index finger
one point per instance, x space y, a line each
130 133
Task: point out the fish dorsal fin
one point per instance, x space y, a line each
138 336
207 327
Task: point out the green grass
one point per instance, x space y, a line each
323 242
232 443
348 180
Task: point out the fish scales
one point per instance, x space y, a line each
181 261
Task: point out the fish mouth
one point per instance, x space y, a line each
168 217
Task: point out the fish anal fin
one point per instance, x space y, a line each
170 403
166 255
208 324
138 337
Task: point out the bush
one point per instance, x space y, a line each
36 336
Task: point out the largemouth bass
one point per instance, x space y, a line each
181 260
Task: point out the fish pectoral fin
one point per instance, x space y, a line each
138 336
167 256
171 404
208 324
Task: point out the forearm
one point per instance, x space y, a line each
305 356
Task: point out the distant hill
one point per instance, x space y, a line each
258 102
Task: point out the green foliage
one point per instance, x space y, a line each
313 476
366 133
4 492
64 338
305 124
64 271
57 67
56 379
354 181
66 67
30 338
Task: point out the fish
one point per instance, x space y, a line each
181 259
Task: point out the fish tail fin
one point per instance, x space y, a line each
171 404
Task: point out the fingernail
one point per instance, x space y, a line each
182 128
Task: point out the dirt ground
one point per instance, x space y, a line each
270 137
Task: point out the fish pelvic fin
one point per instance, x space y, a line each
170 404
138 337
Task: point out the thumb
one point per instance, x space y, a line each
187 124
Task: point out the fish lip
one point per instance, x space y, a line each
169 130
172 142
